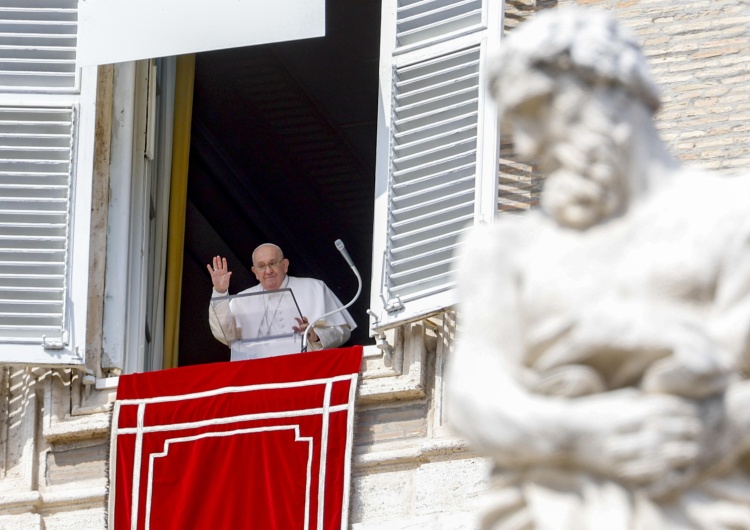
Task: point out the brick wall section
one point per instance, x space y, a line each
519 184
516 11
699 52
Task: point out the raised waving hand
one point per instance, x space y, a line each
220 274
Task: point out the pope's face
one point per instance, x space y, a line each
269 268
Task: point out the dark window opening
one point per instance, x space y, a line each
283 150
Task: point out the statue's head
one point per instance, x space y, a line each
576 89
586 44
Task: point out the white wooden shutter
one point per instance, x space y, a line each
437 149
45 182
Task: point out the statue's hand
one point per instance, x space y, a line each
661 355
694 369
220 274
646 441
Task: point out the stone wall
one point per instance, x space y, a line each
54 451
410 471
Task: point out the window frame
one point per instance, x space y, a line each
140 175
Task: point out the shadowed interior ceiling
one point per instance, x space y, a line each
283 151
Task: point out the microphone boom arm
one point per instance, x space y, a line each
340 247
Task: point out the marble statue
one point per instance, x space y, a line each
604 340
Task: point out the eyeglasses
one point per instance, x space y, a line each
273 265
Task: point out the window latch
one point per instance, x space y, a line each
394 304
55 343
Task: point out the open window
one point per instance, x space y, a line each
138 213
437 150
283 150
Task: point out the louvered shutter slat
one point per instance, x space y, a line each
425 247
431 224
452 150
428 267
441 127
415 141
428 115
422 22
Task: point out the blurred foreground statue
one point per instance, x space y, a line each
604 341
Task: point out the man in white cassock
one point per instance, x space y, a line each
273 313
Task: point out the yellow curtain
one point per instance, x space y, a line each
183 111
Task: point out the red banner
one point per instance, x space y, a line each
260 444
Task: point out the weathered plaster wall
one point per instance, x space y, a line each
410 471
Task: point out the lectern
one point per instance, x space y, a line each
259 324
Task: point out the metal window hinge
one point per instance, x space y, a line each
375 317
55 343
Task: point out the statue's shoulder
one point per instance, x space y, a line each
521 225
711 181
736 186
724 193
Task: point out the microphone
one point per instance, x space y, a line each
340 246
342 249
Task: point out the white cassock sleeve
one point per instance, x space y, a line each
220 319
315 300
330 336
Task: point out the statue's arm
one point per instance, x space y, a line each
490 407
730 326
729 323
708 350
482 372
661 346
